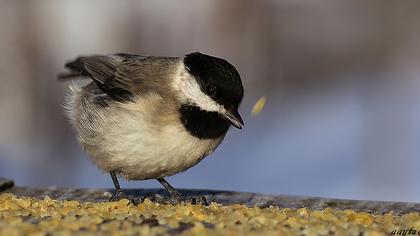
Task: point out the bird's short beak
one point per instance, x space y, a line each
235 118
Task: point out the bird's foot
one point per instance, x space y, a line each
119 195
176 198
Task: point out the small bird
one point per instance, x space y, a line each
148 117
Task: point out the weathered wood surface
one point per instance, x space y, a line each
222 197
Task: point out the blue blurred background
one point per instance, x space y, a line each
342 81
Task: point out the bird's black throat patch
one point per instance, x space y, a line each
203 124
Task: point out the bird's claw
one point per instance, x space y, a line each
118 195
176 198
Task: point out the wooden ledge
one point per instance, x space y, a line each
222 197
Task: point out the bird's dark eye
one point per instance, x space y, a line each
210 90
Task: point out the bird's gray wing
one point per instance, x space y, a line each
114 75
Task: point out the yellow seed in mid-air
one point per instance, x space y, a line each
259 105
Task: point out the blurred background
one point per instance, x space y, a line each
342 81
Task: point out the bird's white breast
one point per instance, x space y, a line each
136 139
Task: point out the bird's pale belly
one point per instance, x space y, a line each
147 157
137 152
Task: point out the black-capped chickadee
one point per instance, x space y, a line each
145 117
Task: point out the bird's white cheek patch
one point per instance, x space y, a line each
190 91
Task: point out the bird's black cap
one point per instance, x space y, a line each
217 78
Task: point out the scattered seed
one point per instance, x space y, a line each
26 216
259 105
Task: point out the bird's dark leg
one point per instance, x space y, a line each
175 195
118 195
